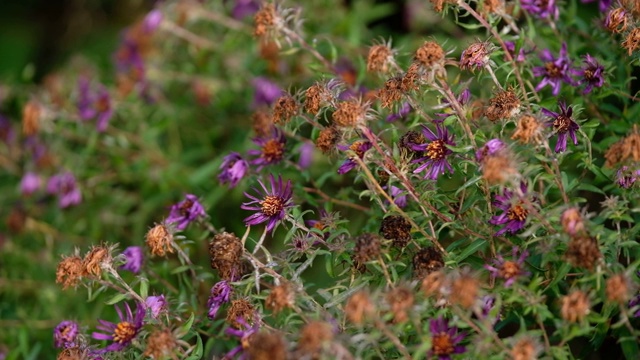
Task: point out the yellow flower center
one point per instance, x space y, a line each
272 150
271 205
124 332
442 344
518 213
436 150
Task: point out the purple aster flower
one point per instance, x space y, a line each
359 148
129 61
435 151
133 259
306 154
186 212
243 335
271 149
635 302
626 177
244 8
491 148
463 98
266 92
64 335
220 294
122 333
554 71
404 110
445 339
592 74
542 9
603 5
6 130
514 215
521 56
30 183
64 186
234 168
488 302
399 196
509 270
563 125
152 21
271 205
94 105
157 304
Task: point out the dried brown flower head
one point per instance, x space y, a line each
359 307
262 124
528 130
69 271
281 296
240 309
617 289
575 306
626 149
463 289
159 240
264 20
499 168
31 118
632 41
525 348
504 105
367 248
433 283
409 139
391 93
476 56
161 344
493 6
583 251
617 20
327 139
225 251
97 258
284 109
350 113
315 97
267 346
400 300
572 222
73 353
379 59
396 228
411 78
429 54
426 261
314 335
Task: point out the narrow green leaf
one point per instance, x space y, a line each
116 299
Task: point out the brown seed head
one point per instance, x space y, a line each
314 335
626 149
464 290
632 41
617 20
525 349
349 114
400 301
571 220
575 306
438 5
411 78
367 248
583 251
426 261
504 105
499 168
359 307
262 123
284 109
31 118
267 346
161 344
528 130
493 6
226 251
415 138
69 271
477 55
433 283
264 20
240 308
315 97
97 258
618 289
391 93
281 296
327 139
429 54
379 59
73 353
159 240
396 228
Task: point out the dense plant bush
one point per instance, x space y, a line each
291 180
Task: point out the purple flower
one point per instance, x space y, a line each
271 205
6 130
435 151
186 212
399 196
488 302
491 148
514 215
64 335
542 9
509 270
404 110
244 8
234 168
266 92
602 6
122 333
152 21
306 155
626 177
64 186
133 259
635 302
271 149
220 294
156 304
243 335
592 74
94 105
563 125
522 53
554 71
359 148
445 339
30 183
463 98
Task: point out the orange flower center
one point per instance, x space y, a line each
509 269
356 148
552 70
185 207
125 332
272 205
436 150
272 151
562 123
442 344
518 213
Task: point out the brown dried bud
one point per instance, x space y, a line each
575 306
226 251
499 168
438 5
493 6
159 240
391 93
464 290
426 261
409 139
327 139
400 300
314 335
31 118
583 251
161 344
359 307
97 258
528 130
315 97
367 248
349 114
525 349
476 56
240 308
262 124
281 296
618 289
267 346
264 20
411 78
396 228
571 220
69 271
617 20
284 109
504 105
632 41
433 283
73 353
626 149
429 54
380 58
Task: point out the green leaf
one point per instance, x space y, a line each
116 299
471 249
591 188
144 287
180 269
184 329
